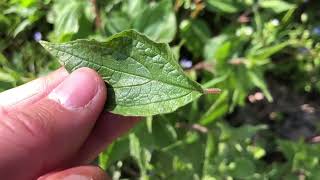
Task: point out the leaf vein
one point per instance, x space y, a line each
159 80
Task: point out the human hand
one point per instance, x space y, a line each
52 124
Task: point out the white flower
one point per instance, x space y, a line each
275 22
244 31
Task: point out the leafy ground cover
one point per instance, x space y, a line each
263 54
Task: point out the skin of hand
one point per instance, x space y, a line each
53 127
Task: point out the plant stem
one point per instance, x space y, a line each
97 14
212 91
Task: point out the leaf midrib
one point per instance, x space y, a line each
148 78
165 100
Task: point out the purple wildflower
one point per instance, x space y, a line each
37 36
316 30
303 50
186 63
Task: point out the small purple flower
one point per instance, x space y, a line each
186 63
37 36
316 30
303 50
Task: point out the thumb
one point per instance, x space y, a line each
77 173
44 135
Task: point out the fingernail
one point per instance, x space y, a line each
67 177
76 177
77 90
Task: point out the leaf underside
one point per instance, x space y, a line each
142 76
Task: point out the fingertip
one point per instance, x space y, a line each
100 82
77 173
81 89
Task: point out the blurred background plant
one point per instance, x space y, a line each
263 54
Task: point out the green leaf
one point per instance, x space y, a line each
256 151
134 7
66 21
104 157
143 77
195 33
163 133
158 22
243 168
6 77
140 154
225 6
277 6
69 19
3 59
22 26
117 22
259 82
266 52
217 48
114 152
210 151
217 109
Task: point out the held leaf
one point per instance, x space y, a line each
142 76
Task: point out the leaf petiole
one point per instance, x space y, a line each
212 91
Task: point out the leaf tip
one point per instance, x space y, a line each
212 91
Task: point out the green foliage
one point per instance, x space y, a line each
70 20
224 6
143 76
239 46
195 33
157 20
